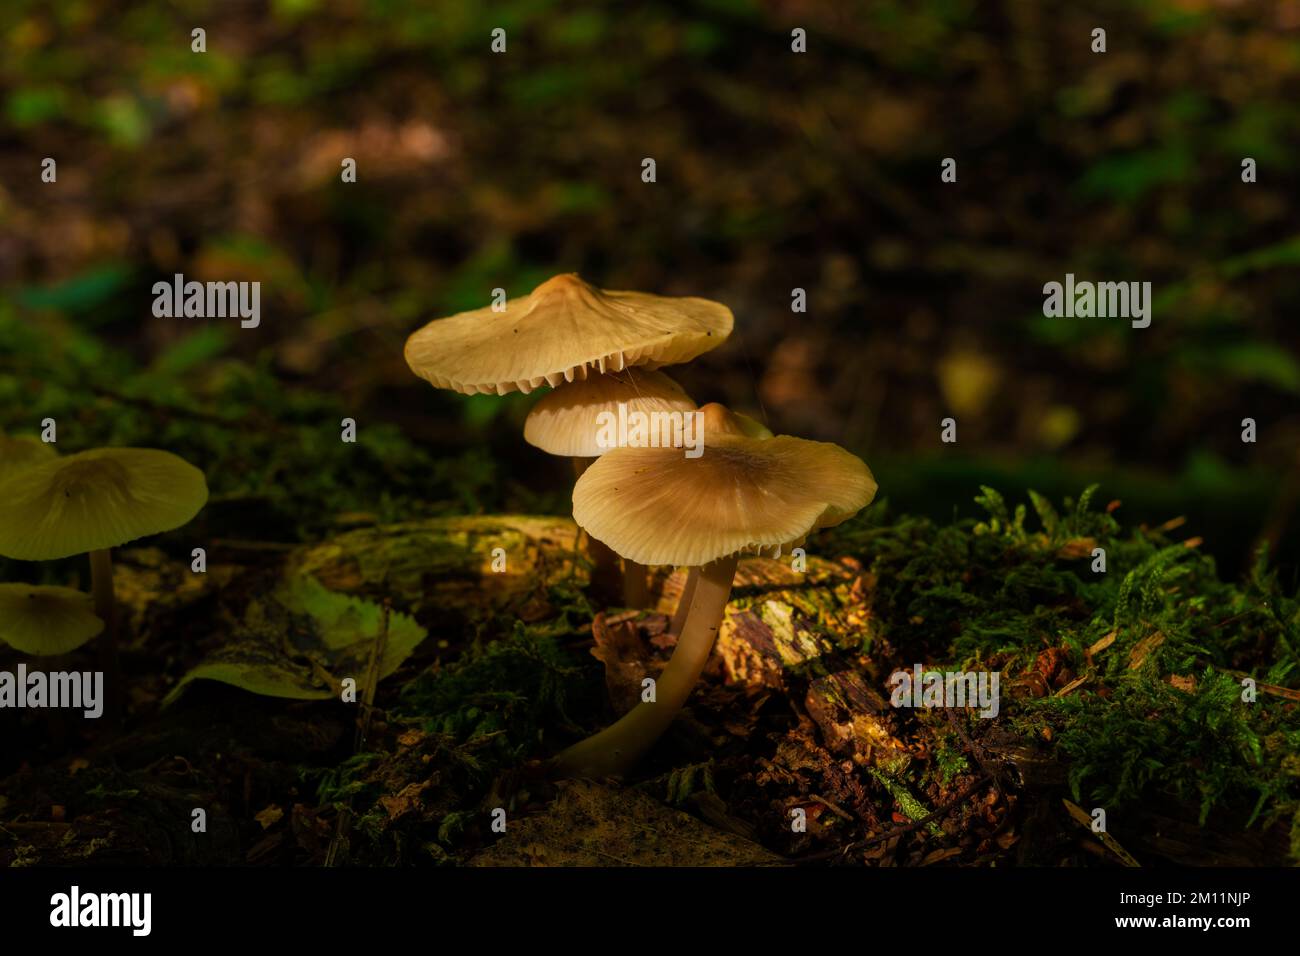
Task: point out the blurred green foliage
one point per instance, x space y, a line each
479 171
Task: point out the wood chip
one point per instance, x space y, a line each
1084 819
1101 645
1072 686
1143 648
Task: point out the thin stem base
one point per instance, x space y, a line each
617 748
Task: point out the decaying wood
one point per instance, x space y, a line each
447 563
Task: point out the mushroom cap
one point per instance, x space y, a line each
46 620
20 452
560 330
743 494
568 421
94 500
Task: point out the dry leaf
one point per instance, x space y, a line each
269 817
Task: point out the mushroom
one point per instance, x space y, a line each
46 620
576 421
92 502
560 333
20 452
746 493
752 429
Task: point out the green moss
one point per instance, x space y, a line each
485 713
1160 711
949 761
508 691
1202 747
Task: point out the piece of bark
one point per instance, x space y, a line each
854 718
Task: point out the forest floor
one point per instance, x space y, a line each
1120 691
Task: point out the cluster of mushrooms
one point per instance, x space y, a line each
55 506
748 492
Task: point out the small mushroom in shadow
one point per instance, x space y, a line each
21 452
46 621
91 502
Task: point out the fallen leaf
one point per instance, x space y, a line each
405 801
299 640
627 658
938 856
269 816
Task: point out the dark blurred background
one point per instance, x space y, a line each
775 170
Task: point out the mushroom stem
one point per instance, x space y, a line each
636 590
606 575
101 586
610 582
617 748
684 602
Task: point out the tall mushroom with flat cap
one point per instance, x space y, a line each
564 332
46 620
746 494
91 502
560 332
584 420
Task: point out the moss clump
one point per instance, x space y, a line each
466 723
1156 648
1202 746
509 692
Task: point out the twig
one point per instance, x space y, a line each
839 812
928 818
976 751
377 650
899 830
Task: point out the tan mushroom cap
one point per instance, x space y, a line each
744 494
569 420
560 330
46 620
20 452
94 500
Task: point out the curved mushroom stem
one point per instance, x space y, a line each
636 590
617 748
101 586
684 602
